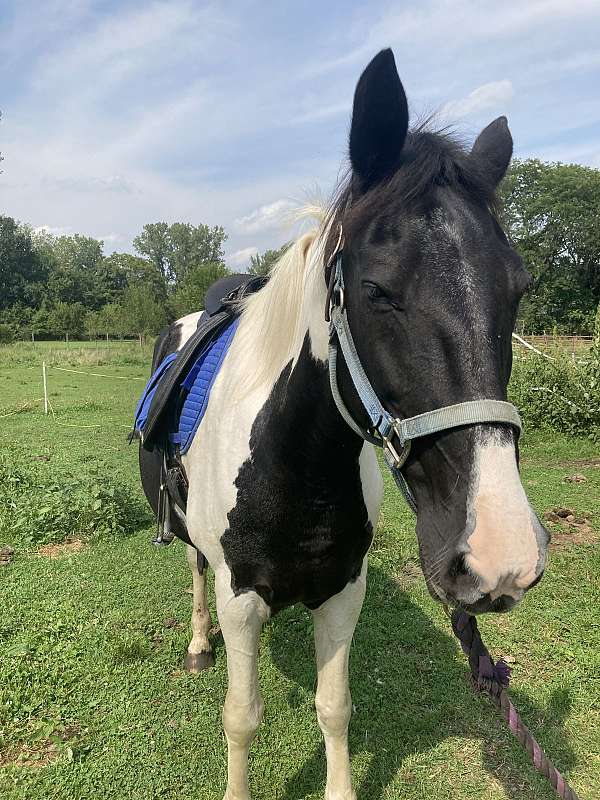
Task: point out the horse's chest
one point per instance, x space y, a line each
291 548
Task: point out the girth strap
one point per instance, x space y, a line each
387 431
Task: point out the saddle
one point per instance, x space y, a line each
175 399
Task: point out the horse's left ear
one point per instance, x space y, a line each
493 149
379 121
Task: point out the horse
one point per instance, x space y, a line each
411 264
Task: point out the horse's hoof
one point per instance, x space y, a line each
198 662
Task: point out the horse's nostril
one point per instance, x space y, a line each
458 567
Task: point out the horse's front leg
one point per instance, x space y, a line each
199 654
335 622
241 619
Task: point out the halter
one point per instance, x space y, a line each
386 430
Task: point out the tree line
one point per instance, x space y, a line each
66 285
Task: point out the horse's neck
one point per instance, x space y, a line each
302 421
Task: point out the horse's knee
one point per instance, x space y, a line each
333 713
242 720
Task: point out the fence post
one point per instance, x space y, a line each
45 388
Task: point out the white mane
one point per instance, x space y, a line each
275 320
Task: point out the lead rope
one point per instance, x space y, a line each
493 679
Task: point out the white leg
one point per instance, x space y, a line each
335 622
241 619
199 654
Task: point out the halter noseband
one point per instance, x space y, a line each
386 429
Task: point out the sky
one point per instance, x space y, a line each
115 114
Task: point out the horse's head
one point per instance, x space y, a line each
432 288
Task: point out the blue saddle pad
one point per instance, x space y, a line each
194 388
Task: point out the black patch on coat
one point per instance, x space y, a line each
167 342
299 530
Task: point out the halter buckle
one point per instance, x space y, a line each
397 459
335 290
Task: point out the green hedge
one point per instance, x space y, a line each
561 395
38 509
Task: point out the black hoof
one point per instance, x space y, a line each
198 662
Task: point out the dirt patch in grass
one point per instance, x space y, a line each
581 462
61 550
409 574
569 528
35 755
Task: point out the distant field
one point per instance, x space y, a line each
93 700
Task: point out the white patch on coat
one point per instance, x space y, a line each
371 481
503 547
188 325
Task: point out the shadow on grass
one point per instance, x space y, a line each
410 693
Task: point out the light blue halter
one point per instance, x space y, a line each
386 428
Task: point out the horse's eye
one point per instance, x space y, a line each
375 293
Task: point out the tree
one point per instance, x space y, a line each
20 268
190 295
130 270
263 264
92 324
77 275
113 321
175 249
67 319
142 313
552 213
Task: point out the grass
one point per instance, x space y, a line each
93 700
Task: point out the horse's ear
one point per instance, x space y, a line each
493 149
379 121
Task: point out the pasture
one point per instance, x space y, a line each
95 623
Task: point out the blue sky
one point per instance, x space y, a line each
120 113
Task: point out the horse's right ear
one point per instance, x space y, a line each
379 121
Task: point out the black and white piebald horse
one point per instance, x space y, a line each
284 494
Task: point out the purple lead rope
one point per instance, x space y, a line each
494 679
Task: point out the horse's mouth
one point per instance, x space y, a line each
484 604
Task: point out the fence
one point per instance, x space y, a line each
554 344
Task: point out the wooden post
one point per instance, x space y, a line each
33 337
45 388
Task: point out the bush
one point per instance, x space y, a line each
6 333
35 509
560 395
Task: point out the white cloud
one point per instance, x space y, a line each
53 230
123 114
241 258
110 183
491 95
317 114
269 217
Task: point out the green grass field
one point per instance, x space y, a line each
93 699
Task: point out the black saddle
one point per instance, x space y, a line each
162 473
222 304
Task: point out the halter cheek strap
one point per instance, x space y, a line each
387 430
